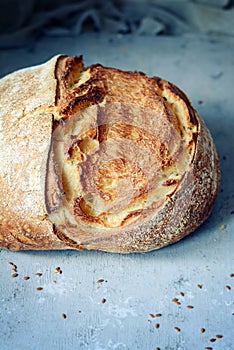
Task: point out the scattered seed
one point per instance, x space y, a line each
157 325
222 227
158 315
202 330
14 275
12 264
14 267
212 340
100 280
199 286
151 315
103 300
177 329
39 288
190 306
38 274
64 316
54 281
58 270
228 287
182 294
176 301
26 278
219 336
231 275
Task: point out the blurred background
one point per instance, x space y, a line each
24 21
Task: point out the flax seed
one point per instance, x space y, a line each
58 270
100 280
231 275
14 275
39 288
182 294
151 315
38 274
26 278
12 264
14 267
219 336
202 330
157 325
158 315
64 316
190 306
175 299
103 300
212 340
228 287
199 286
177 329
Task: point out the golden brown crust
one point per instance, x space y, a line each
26 104
113 160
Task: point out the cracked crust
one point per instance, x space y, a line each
98 158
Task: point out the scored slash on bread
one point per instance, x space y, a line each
99 158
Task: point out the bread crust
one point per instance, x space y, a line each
26 97
60 122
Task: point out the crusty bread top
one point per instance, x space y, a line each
122 143
99 158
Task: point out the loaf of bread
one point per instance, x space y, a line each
99 158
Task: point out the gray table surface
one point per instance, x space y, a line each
137 286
